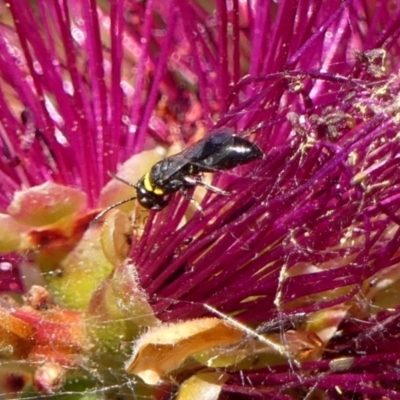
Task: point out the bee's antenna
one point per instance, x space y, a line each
118 203
122 180
106 210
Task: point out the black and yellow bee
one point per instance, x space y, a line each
218 152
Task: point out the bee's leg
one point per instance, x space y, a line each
193 182
191 199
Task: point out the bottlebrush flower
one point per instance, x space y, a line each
284 288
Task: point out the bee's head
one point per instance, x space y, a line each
150 200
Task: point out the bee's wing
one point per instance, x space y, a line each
210 147
226 152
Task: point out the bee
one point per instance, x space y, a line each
179 173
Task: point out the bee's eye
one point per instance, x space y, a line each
151 201
146 201
159 204
143 198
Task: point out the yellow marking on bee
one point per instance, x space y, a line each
158 191
149 186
